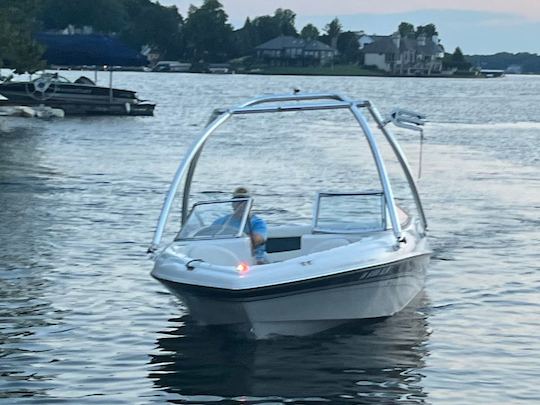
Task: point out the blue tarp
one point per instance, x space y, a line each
90 50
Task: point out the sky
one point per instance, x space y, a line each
477 26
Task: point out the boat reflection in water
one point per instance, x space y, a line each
365 361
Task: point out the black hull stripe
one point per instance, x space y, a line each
363 276
21 89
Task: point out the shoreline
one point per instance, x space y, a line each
343 71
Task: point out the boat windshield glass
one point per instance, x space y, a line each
216 219
350 212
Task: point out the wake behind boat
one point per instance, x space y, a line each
362 256
81 97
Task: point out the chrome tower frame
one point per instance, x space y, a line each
322 101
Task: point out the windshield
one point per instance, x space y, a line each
350 212
216 219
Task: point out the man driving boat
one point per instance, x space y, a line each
255 227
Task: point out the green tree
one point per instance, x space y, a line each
456 60
457 56
428 30
266 28
309 32
347 45
284 19
207 33
18 50
102 15
526 62
154 25
333 29
406 29
245 39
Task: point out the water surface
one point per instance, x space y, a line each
82 321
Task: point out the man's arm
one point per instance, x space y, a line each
259 231
257 239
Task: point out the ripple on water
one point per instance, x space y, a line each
81 320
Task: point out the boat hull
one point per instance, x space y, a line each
66 92
77 99
308 306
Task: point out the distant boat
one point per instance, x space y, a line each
171 66
81 97
492 73
219 68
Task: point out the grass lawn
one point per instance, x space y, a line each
336 70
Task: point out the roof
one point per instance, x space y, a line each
385 44
382 44
93 49
375 37
314 45
281 42
284 41
430 48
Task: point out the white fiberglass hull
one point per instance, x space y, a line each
301 296
316 306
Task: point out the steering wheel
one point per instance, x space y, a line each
41 89
213 230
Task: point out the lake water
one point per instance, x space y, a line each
82 321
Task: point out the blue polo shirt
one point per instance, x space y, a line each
256 225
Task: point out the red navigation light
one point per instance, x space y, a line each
242 268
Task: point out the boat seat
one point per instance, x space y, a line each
319 243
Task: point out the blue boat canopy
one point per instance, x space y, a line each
89 50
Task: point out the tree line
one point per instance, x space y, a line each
17 48
203 35
527 62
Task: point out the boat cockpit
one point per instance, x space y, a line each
339 219
217 232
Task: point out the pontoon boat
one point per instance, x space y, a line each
80 97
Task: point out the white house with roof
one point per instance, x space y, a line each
402 55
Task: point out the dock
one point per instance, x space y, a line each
31 112
71 108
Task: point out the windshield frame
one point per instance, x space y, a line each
243 221
322 229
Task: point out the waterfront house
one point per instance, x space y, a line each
402 55
291 51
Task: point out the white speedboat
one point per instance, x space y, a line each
319 275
